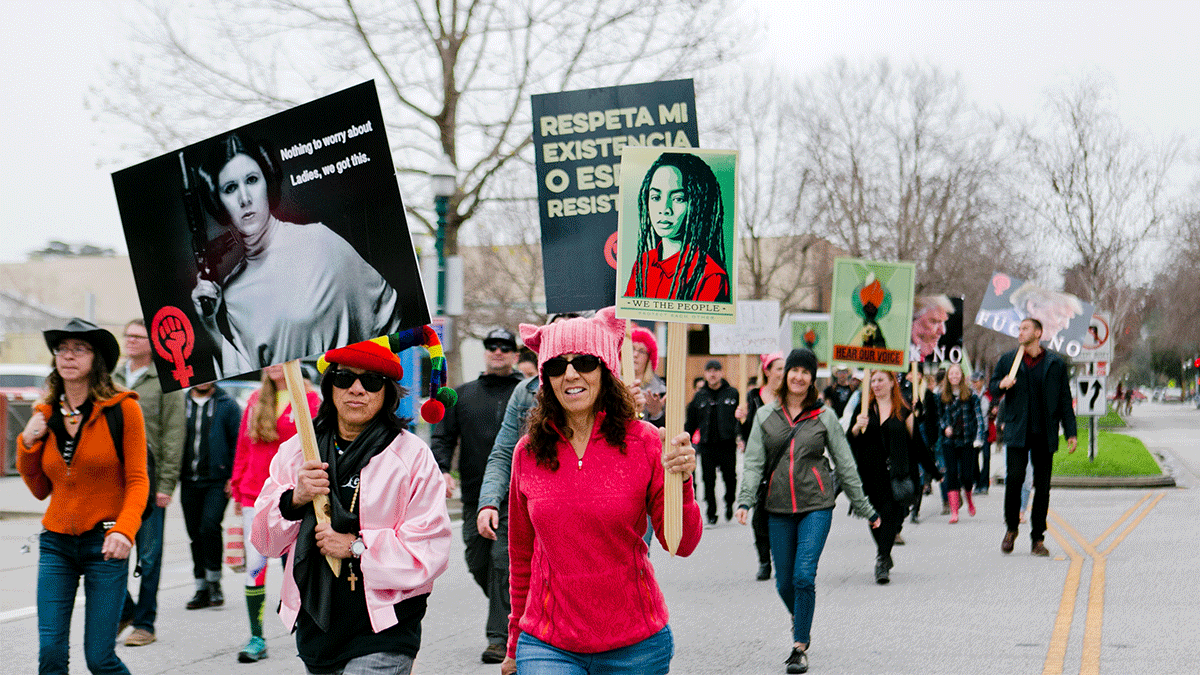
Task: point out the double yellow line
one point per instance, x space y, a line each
1056 655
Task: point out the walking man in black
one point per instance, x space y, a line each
1037 401
711 412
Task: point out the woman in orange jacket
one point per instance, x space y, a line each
97 491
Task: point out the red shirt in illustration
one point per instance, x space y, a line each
658 275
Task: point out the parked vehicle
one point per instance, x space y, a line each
1172 395
23 381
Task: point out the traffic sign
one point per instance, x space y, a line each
1091 396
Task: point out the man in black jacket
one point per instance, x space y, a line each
1037 401
472 425
711 412
213 419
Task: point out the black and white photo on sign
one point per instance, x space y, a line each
275 241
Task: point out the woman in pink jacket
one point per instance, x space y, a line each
584 598
388 527
266 424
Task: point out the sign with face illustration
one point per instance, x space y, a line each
870 316
1008 300
578 138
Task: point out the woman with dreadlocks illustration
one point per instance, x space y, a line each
681 240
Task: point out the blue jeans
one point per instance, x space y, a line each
149 542
63 558
796 544
651 656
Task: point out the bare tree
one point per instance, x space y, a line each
905 169
1100 190
775 212
454 76
1174 305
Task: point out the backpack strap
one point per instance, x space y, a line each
116 427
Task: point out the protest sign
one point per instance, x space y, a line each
1097 346
578 137
806 330
870 318
278 240
756 330
677 248
1008 300
937 330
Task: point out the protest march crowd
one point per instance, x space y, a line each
530 456
571 452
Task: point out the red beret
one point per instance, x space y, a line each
368 355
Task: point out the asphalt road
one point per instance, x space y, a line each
1119 595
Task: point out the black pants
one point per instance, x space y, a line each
758 522
487 561
1043 464
203 506
724 456
891 516
960 466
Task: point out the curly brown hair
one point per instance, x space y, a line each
548 420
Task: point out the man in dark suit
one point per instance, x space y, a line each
1037 401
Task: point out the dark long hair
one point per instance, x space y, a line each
326 419
548 420
219 154
703 229
781 393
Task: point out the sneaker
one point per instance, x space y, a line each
215 597
139 638
1010 539
945 508
899 540
1039 549
495 652
123 625
255 650
764 572
797 662
200 600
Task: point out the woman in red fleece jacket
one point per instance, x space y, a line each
583 591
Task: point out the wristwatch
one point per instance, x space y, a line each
357 548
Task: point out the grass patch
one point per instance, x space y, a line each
1116 455
1110 419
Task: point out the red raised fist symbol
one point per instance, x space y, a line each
173 339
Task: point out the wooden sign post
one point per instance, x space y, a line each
308 442
673 482
628 370
741 379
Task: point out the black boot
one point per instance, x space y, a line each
881 570
215 597
200 600
764 572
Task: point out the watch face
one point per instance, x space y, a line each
357 548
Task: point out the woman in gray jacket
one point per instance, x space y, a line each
788 442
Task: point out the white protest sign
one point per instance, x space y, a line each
756 330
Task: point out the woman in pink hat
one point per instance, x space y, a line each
583 479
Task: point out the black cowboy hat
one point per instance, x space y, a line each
104 342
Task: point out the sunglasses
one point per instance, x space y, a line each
505 349
584 363
372 382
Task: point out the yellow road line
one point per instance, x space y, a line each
1056 654
1094 623
1083 543
1113 528
1134 524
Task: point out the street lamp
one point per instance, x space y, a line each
442 181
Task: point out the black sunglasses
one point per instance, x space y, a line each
372 382
584 363
503 348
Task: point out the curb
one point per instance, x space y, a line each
1162 480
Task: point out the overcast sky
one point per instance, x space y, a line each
56 184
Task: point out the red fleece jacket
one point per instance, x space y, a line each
579 572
